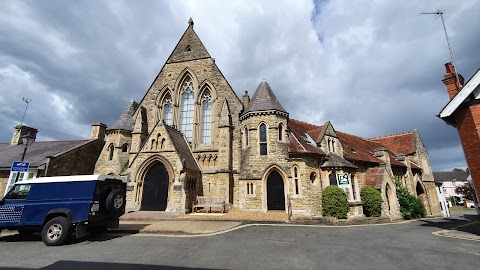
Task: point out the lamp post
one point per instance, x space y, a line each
27 140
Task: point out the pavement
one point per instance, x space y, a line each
462 225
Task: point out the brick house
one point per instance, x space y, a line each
463 113
191 135
49 158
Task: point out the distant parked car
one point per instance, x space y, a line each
57 206
469 204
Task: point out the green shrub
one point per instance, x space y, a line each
334 202
410 207
372 201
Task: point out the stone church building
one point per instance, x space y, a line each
192 136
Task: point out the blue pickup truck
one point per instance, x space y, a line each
58 206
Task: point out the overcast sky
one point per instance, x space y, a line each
372 68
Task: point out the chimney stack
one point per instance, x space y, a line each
98 131
450 80
245 99
21 131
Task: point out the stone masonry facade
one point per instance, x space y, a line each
192 136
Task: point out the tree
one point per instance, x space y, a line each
466 190
454 200
458 170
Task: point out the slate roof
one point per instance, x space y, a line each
264 100
440 177
182 148
37 153
126 121
189 47
334 160
403 143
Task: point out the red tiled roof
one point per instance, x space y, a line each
356 148
299 144
399 143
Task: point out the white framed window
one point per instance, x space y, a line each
187 109
168 110
206 117
12 179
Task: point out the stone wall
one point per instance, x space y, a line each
80 160
4 175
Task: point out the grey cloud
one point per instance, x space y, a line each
376 70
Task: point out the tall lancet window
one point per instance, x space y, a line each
206 117
167 110
263 139
186 109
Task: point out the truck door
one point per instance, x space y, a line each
12 205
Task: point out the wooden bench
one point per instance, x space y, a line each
203 201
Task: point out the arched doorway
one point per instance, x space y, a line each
421 193
275 192
389 197
155 189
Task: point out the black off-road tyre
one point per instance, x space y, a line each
56 231
115 202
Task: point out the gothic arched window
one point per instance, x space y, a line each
110 152
206 117
187 109
167 110
295 178
263 139
280 132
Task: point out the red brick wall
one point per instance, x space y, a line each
468 126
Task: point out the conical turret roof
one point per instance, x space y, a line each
264 100
189 47
126 121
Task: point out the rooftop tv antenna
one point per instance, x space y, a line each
439 13
26 100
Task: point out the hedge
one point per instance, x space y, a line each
372 201
334 202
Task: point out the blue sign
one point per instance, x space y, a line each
20 166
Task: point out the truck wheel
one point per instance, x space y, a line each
56 231
115 201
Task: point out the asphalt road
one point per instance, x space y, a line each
408 245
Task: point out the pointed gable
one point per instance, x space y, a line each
264 100
326 130
189 47
126 120
403 143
